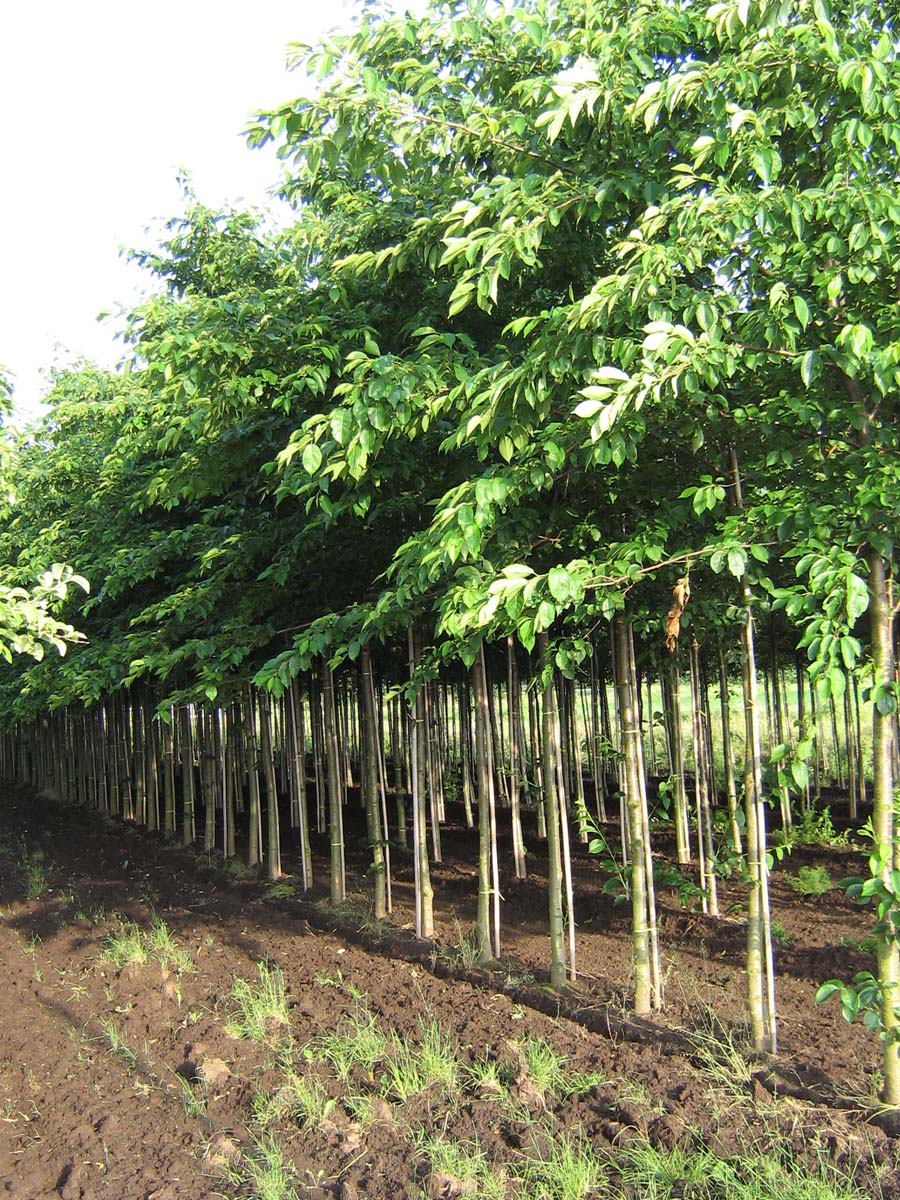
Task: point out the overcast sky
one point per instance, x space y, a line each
101 103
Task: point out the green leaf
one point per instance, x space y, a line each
311 458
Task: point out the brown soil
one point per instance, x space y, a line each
124 1082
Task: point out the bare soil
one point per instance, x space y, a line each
125 1083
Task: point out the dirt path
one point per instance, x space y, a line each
127 1081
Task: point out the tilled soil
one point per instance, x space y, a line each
126 1082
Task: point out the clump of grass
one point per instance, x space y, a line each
367 1110
358 1043
269 1176
127 945
35 876
117 1043
781 935
409 1072
720 1054
463 953
565 1168
548 1073
306 1100
656 1175
810 881
488 1078
283 889
192 1102
259 1011
131 944
460 1168
165 948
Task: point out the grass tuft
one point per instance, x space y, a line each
259 1011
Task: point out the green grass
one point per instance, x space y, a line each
266 1172
565 1168
460 1168
117 1043
192 1102
132 944
306 1100
411 1071
358 1043
548 1072
259 1011
36 884
657 1175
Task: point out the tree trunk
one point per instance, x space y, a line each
551 811
335 784
640 934
884 833
369 779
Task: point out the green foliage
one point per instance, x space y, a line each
810 881
865 996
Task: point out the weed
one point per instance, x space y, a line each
409 1072
719 1053
781 935
117 1044
363 1110
815 828
126 946
267 1173
306 1100
810 881
463 953
260 1011
656 1175
35 876
284 889
163 946
34 941
358 1043
547 1071
194 1104
330 981
131 944
564 1169
460 1168
488 1078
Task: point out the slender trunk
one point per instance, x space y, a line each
335 780
484 783
273 831
424 892
883 821
551 810
515 790
760 959
728 754
369 779
640 939
679 796
701 786
251 754
298 767
187 778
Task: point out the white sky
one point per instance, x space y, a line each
101 103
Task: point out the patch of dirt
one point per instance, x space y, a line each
126 1082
